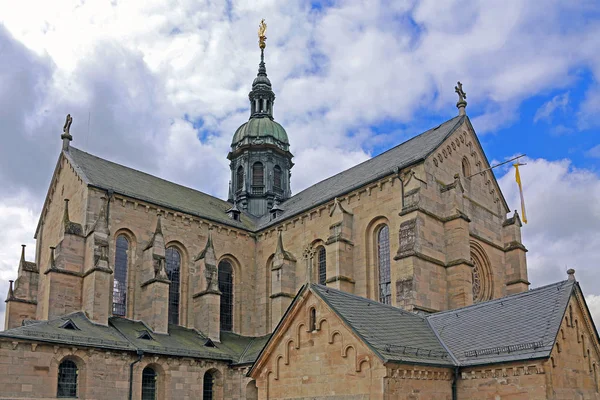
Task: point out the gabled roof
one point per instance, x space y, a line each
126 181
516 327
410 152
107 175
392 333
128 335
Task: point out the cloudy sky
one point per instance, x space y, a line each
162 85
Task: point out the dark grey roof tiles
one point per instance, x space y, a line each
139 185
395 334
107 175
515 327
403 155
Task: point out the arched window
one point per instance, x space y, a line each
239 180
322 265
67 379
383 258
120 278
173 272
258 173
226 288
277 186
483 281
313 319
595 376
208 386
466 167
149 384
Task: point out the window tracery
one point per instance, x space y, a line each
67 379
322 265
119 306
173 260
383 253
149 377
226 289
482 278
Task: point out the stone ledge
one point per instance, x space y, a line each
63 271
340 278
334 239
281 294
514 245
97 269
17 300
205 292
153 280
515 281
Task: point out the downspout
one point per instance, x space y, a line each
110 193
140 354
455 384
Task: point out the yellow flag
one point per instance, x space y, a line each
518 179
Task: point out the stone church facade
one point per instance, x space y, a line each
141 288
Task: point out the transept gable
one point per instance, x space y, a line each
462 153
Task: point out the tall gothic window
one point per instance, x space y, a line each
226 288
149 384
277 179
466 168
173 272
322 265
208 386
120 278
481 274
383 258
239 180
67 379
258 174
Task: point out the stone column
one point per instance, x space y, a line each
514 253
283 283
154 304
340 250
207 298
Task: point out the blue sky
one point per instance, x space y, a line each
162 85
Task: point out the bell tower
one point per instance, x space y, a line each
260 159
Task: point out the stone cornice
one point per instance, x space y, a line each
97 269
205 292
63 271
516 281
17 300
153 280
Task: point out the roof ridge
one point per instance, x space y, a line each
500 299
373 157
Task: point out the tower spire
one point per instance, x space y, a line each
261 96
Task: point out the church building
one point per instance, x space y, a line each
403 277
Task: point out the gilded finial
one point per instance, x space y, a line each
262 30
462 98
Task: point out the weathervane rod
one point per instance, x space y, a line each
497 165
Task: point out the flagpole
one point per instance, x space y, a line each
497 165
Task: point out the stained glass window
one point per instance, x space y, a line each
476 284
383 257
322 265
207 389
239 180
149 384
277 179
173 273
67 379
226 288
120 276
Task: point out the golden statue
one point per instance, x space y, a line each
262 30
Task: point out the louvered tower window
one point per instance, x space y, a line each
226 288
277 185
67 379
322 265
120 276
239 180
383 253
173 273
149 377
258 178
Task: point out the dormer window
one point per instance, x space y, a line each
145 335
70 325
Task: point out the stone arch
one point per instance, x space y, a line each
483 278
130 274
251 390
466 167
363 361
277 366
298 330
321 322
216 384
372 258
287 350
81 372
320 248
312 319
184 279
237 280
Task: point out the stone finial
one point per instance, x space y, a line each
101 224
279 250
462 98
52 260
70 227
66 136
23 253
158 229
571 274
11 293
230 192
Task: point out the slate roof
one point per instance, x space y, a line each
125 334
392 333
410 152
127 181
516 327
108 175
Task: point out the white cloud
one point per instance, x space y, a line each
564 221
593 303
558 103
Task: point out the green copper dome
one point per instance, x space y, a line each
257 129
